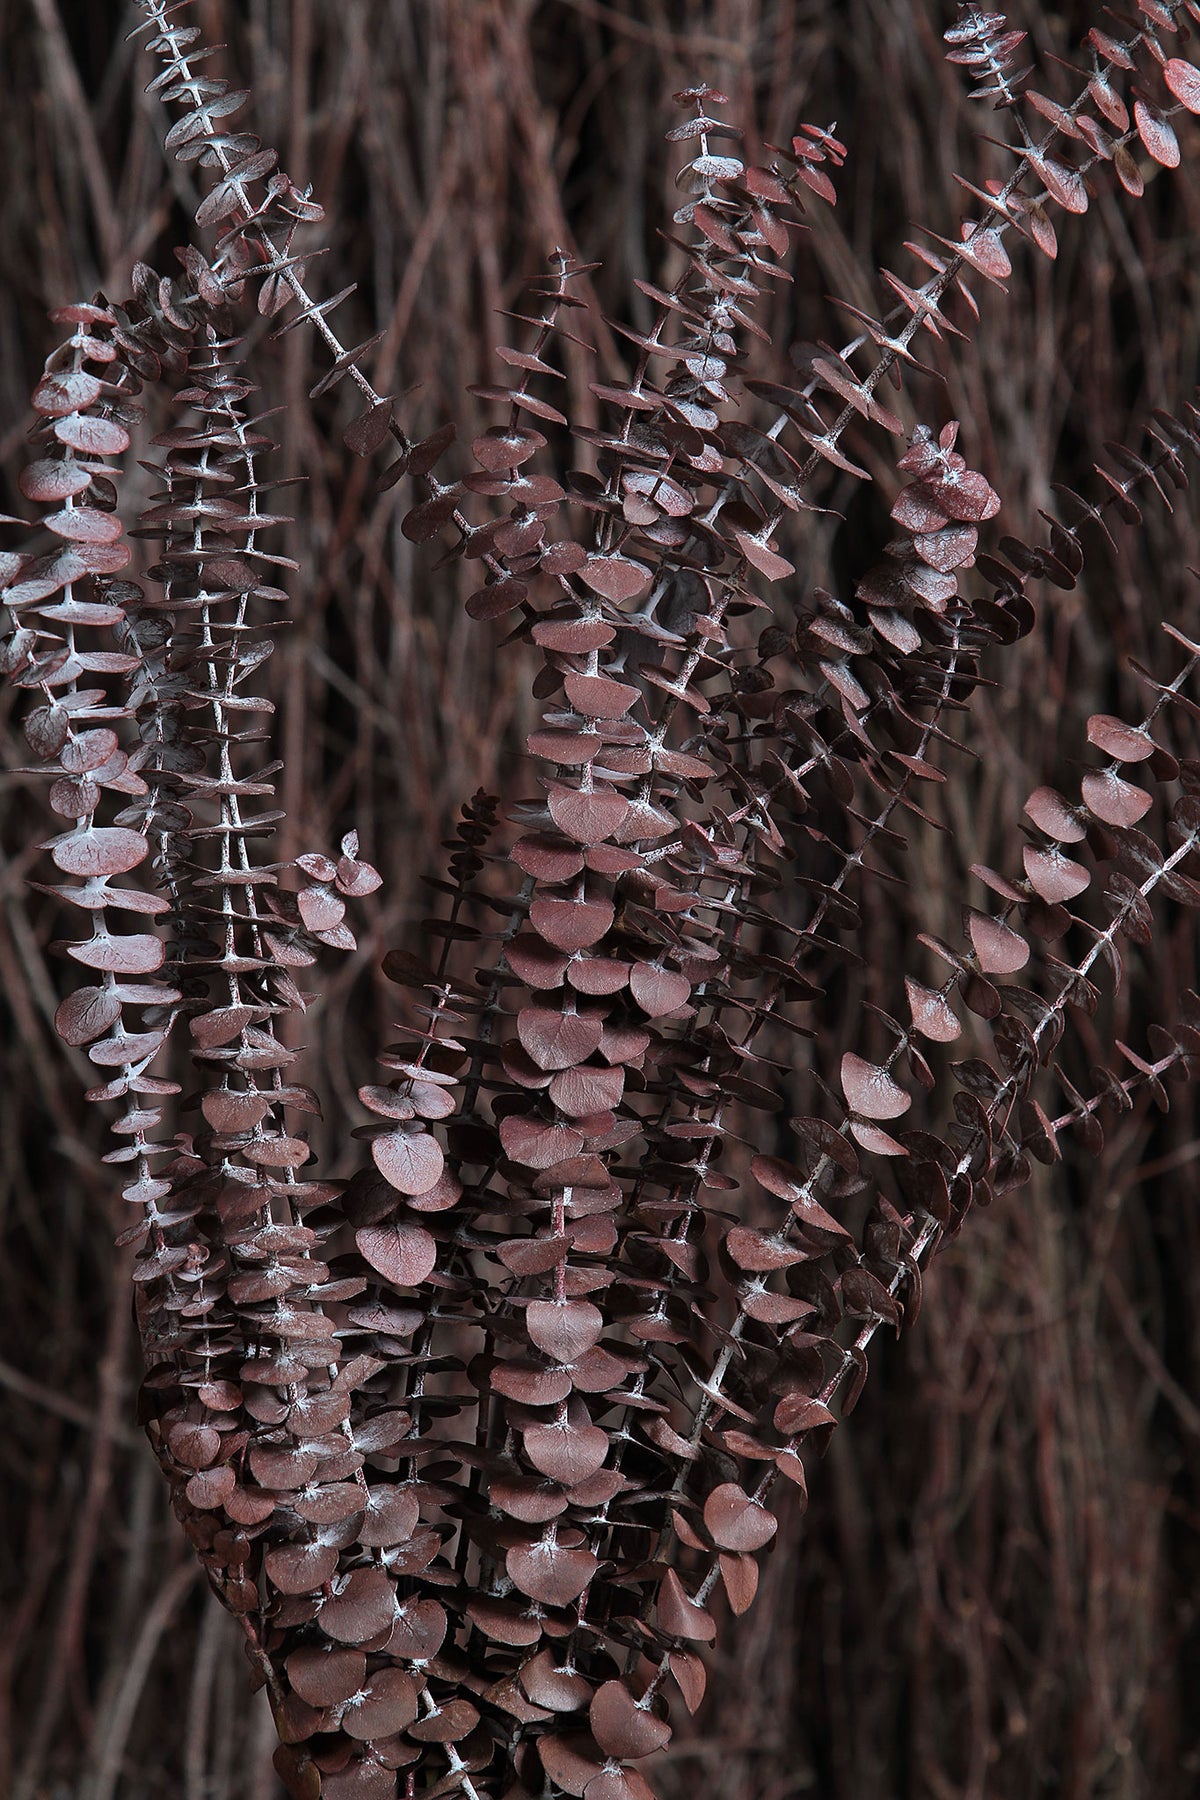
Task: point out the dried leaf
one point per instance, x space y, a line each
1118 740
1000 949
87 1014
567 1450
588 817
550 1573
411 1161
621 1727
1156 134
571 924
98 850
1053 876
362 1606
679 1615
326 1677
563 1329
1115 801
405 1255
735 1521
870 1090
600 696
617 578
549 1684
558 1040
931 1013
1183 79
658 991
385 1705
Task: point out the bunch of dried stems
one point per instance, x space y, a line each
826 876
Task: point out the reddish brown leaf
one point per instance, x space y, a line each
210 1488
917 512
86 1014
739 1577
966 497
419 1630
276 1151
386 1705
547 856
532 1502
567 747
227 1111
222 1025
617 578
564 558
570 1762
762 557
362 1778
573 637
98 850
758 1251
320 909
405 1255
558 1040
787 1184
679 1615
550 1573
798 1413
1062 183
1055 816
1156 134
195 1446
536 1142
411 1161
691 1675
600 696
571 924
84 525
624 1044
735 1521
579 1092
92 436
535 962
66 391
931 1013
658 991
326 1677
618 1784
1053 876
391 1516
1113 800
53 478
1000 949
1118 740
566 1451
301 1568
549 1685
1183 79
563 1329
370 429
1128 173
362 1606
137 953
452 1721
870 1090
621 1727
589 818
532 1255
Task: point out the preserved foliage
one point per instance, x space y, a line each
480 1442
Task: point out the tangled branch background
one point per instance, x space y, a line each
739 733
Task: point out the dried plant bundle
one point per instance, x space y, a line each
479 1443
